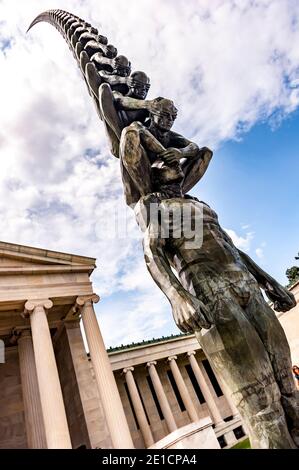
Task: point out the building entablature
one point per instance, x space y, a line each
159 350
30 274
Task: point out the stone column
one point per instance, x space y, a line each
34 424
213 409
182 389
114 412
56 427
138 407
95 419
163 402
230 438
227 394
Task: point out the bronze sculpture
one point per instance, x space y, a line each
215 292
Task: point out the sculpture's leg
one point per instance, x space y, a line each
274 339
109 112
93 81
92 76
78 50
240 358
112 123
135 165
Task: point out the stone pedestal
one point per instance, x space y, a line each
199 435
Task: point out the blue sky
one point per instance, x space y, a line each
254 183
253 186
232 69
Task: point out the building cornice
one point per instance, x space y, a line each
30 254
146 343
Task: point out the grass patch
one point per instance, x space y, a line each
242 445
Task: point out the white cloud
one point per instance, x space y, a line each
226 64
259 252
146 315
241 242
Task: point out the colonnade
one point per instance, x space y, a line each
205 387
45 415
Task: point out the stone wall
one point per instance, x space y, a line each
290 323
12 420
71 396
93 410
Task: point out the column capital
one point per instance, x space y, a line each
31 304
151 363
191 353
85 299
128 369
172 358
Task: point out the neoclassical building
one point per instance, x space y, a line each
156 394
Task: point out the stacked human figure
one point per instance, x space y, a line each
213 287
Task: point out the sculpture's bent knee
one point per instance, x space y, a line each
105 90
105 96
130 145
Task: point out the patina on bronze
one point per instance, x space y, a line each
216 291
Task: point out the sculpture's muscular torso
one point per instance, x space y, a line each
216 295
216 289
216 292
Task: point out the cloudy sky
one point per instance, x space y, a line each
232 68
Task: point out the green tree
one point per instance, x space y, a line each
292 274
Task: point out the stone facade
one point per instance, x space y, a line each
12 419
158 353
160 394
49 396
290 323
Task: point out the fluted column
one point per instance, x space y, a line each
138 407
163 402
34 424
213 409
182 389
56 427
227 394
114 412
